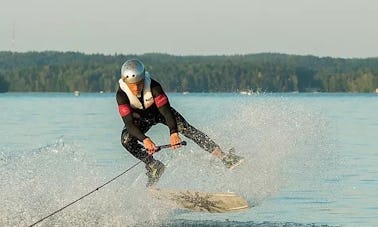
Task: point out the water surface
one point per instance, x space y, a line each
310 159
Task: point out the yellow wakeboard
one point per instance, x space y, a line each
219 202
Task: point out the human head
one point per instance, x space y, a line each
132 71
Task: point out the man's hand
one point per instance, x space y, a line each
149 146
175 141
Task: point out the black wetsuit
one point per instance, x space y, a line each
139 121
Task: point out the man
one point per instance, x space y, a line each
142 103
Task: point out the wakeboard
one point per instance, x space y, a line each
220 202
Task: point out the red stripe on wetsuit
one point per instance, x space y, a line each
124 110
161 100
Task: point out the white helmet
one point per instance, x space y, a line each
132 71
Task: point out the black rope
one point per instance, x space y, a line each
82 197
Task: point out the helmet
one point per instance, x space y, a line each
132 71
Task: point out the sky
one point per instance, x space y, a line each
325 28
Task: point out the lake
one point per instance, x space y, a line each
311 160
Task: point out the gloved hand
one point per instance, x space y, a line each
149 146
175 140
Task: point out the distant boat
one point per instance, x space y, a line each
246 92
76 93
376 90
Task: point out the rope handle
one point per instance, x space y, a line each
183 143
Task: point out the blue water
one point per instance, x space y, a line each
311 160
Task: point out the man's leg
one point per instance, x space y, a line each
230 159
200 138
154 167
132 145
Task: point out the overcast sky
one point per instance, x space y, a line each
336 28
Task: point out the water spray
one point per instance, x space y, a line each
183 143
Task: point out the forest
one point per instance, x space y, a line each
52 71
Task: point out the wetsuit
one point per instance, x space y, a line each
139 121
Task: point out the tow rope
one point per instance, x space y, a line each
99 187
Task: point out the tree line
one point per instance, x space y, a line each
52 71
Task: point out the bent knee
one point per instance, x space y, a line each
125 139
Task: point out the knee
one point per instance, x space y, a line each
130 143
181 127
126 140
185 128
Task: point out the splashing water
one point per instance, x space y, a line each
267 134
35 183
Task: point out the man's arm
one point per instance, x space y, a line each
162 102
125 111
